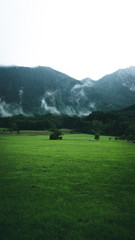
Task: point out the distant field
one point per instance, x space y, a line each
4 131
74 189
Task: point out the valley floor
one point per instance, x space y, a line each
77 188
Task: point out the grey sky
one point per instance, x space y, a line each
82 38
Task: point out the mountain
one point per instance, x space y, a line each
130 109
43 90
119 87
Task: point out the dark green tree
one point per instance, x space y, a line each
97 136
56 135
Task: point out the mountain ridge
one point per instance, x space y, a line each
42 90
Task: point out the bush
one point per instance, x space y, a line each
123 137
97 136
56 135
130 138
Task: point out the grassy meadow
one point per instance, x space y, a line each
74 189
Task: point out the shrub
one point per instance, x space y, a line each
56 135
97 136
130 138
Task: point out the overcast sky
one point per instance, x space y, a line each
82 38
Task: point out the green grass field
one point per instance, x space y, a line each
74 189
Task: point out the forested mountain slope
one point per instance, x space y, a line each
42 90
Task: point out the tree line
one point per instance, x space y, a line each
105 123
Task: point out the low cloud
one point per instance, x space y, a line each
92 105
47 108
84 113
21 95
4 109
9 110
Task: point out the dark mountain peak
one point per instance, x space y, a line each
127 77
87 82
42 90
128 71
87 79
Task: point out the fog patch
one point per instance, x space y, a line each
69 111
50 98
82 93
84 113
85 83
75 103
4 109
78 94
129 85
92 105
47 108
77 86
48 94
20 95
48 102
132 88
9 110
